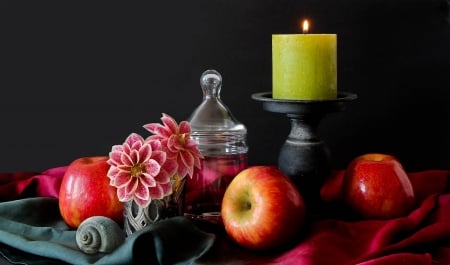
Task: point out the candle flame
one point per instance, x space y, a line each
305 26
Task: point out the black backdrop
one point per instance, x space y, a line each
78 77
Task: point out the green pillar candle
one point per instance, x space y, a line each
304 66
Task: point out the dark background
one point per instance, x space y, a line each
78 77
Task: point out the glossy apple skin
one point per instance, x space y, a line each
262 209
377 187
85 192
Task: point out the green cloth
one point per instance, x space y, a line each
33 232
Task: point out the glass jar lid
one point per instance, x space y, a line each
213 125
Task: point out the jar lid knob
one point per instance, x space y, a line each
211 82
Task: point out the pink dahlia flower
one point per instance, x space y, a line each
140 170
177 143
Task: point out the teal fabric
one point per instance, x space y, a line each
33 232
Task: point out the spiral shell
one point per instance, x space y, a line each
99 234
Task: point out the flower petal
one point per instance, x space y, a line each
126 168
158 129
156 192
136 145
143 203
182 169
112 172
126 148
159 157
133 138
152 167
173 144
197 161
142 192
117 148
191 145
125 159
132 186
123 195
145 152
170 123
186 160
134 157
170 166
154 143
166 188
114 158
162 177
185 128
148 180
121 179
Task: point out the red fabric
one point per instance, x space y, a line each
422 237
19 185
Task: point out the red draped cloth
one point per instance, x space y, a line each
19 185
421 237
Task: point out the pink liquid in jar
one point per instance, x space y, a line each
204 192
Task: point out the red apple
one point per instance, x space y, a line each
376 186
262 209
85 192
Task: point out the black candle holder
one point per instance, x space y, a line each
304 157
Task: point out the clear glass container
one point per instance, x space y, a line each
221 139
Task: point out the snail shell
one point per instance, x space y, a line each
99 234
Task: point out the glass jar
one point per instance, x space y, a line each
221 139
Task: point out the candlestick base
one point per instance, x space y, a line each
304 157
